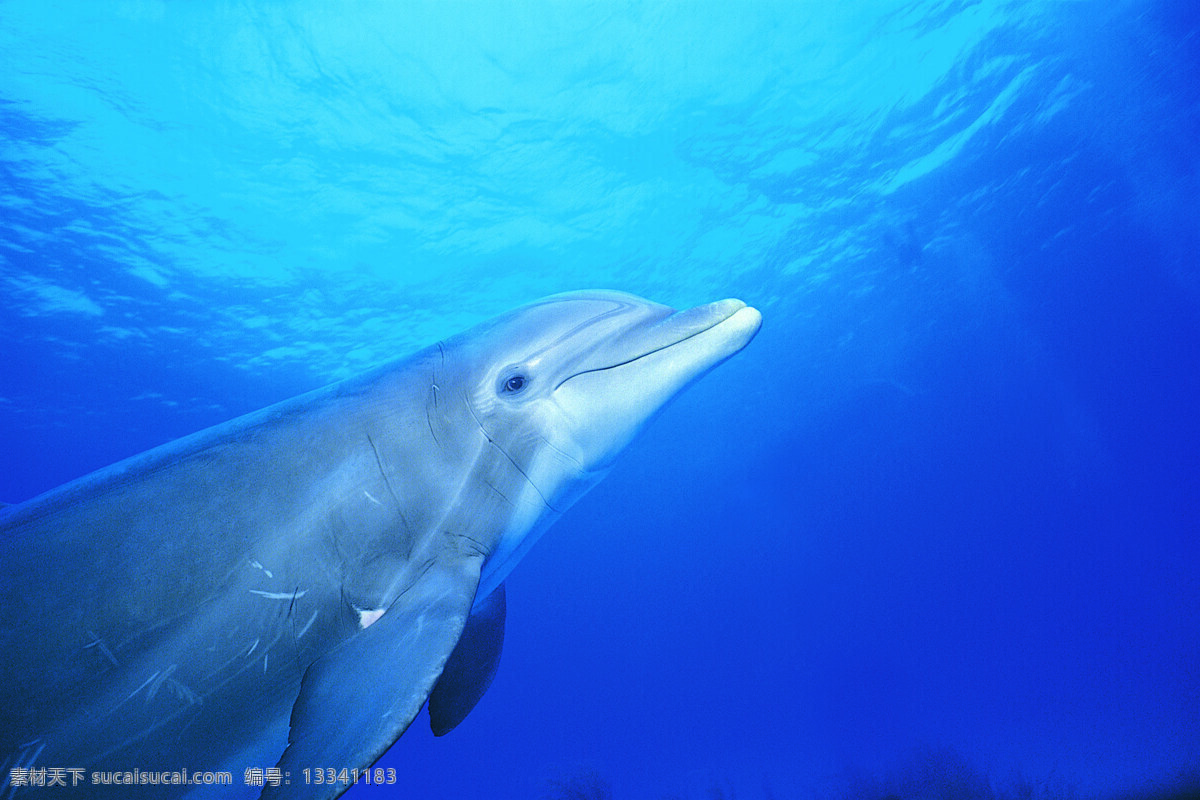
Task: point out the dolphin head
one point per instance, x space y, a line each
562 385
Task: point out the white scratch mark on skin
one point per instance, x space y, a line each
160 677
308 624
253 647
38 741
99 644
278 595
371 497
24 759
266 571
368 617
265 656
182 691
144 685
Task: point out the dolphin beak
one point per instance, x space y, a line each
726 327
641 369
719 329
739 321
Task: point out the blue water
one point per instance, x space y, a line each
941 515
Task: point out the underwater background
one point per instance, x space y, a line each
937 526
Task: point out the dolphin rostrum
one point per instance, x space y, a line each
294 584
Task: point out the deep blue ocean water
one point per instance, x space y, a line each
943 511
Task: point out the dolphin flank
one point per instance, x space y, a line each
287 590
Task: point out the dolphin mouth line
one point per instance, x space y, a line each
658 349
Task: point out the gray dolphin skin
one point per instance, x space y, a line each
285 591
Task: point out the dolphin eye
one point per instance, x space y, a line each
514 384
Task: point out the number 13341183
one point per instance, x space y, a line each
326 775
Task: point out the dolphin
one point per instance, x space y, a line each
293 585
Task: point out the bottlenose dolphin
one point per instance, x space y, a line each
298 582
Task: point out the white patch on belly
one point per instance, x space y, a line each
369 616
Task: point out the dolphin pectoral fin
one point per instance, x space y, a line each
357 700
471 666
